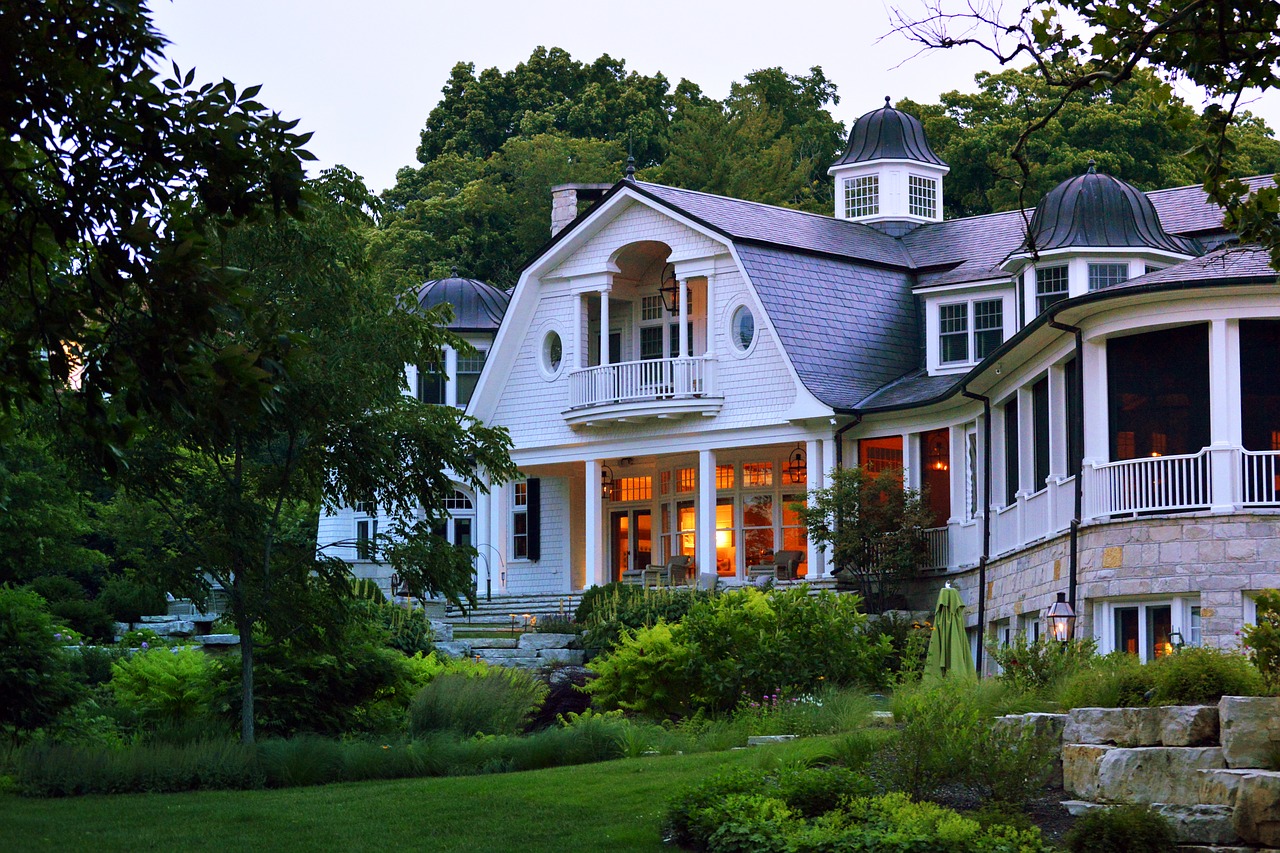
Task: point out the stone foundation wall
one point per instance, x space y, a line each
1218 557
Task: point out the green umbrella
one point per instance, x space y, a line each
948 654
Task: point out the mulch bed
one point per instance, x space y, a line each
1045 810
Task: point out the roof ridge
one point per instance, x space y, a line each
822 216
1246 179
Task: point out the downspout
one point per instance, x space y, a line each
986 518
1077 434
839 435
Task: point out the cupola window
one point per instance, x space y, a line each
922 196
862 196
1051 286
469 368
1107 275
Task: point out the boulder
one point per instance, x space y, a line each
1189 725
493 642
566 656
1257 813
219 640
533 642
1219 787
1079 808
1116 726
175 628
501 655
1199 824
1250 728
1080 763
455 649
1155 774
441 631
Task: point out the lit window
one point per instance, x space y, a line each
1051 286
1107 275
755 474
724 476
757 527
922 196
953 332
633 489
520 522
861 196
686 479
795 535
665 479
988 327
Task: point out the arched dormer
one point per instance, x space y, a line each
477 313
888 174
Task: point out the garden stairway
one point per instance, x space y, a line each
1207 768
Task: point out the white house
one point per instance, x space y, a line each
1088 391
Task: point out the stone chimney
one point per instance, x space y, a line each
565 201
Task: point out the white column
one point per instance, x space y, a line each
683 350
814 474
604 327
579 357
1097 429
451 376
909 462
705 540
1058 426
710 312
593 527
1026 458
829 460
1225 429
498 514
485 563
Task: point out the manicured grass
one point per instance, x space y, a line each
611 806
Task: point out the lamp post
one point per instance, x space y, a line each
1061 619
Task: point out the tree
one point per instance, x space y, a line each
1228 47
873 526
110 178
1137 130
240 480
34 681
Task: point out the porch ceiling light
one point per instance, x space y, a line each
607 482
669 288
796 468
1062 619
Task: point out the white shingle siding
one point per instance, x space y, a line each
550 573
638 222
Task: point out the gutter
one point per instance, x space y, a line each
1077 434
986 518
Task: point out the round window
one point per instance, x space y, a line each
742 328
552 352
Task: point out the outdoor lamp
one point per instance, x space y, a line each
606 482
670 292
1061 618
1176 641
796 465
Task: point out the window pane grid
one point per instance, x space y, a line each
862 196
922 196
988 326
633 489
724 476
953 325
651 308
1051 286
1107 275
686 479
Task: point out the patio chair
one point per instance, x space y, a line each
632 577
674 573
784 566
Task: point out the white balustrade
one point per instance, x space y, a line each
939 551
1148 485
1004 529
1036 508
1261 477
637 381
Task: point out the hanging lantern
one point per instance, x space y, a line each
669 288
796 467
607 483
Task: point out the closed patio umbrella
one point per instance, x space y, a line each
948 655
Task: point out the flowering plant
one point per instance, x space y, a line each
1262 640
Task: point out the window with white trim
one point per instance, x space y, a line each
922 196
953 333
1149 629
520 521
861 196
366 539
469 368
1051 286
988 327
651 308
958 337
1107 275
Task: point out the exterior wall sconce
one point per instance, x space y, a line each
670 293
607 482
936 457
1062 619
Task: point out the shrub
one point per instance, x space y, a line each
649 673
685 823
813 791
85 617
1199 676
300 761
1262 640
498 702
1035 666
1123 829
908 645
607 613
1116 680
164 685
128 601
940 733
1013 764
56 588
34 682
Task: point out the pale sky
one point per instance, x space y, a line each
363 75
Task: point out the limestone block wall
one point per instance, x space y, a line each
1220 558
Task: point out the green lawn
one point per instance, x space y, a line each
612 806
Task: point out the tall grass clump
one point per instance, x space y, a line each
1200 676
1116 680
60 771
498 702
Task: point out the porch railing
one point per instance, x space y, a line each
1260 479
1144 485
939 552
638 381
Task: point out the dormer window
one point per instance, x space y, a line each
969 327
431 385
1051 286
469 368
1107 275
922 196
862 196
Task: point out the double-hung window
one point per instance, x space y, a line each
960 334
1107 275
520 521
1051 286
469 368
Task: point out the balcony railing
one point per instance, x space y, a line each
640 381
1260 481
1156 484
939 552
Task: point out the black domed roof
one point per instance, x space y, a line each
1094 209
477 307
888 134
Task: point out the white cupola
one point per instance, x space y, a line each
888 175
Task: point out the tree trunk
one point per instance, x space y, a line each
246 680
